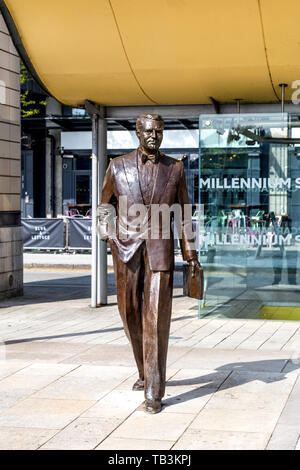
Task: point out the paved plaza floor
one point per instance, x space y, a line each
66 372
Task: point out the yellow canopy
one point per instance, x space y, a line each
140 52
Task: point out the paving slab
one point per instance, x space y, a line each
236 399
221 334
165 426
82 434
294 343
41 369
23 438
8 368
184 399
120 443
261 336
260 382
280 338
26 382
43 413
89 388
194 378
284 437
86 383
203 358
287 430
12 397
103 354
37 356
239 336
116 404
239 421
204 439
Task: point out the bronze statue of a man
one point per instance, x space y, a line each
144 265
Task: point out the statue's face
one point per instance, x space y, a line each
150 134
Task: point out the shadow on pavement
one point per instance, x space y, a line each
247 372
65 335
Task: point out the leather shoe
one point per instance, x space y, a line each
138 385
153 406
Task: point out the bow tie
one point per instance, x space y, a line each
152 158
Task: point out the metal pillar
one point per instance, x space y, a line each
101 244
238 105
282 86
94 209
99 253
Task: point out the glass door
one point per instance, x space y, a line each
249 216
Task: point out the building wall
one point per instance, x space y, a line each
11 256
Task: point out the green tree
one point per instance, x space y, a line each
30 104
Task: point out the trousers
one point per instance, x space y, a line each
145 304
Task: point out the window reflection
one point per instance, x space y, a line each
248 214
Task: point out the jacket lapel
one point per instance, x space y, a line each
132 177
163 174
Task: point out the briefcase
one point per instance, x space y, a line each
193 286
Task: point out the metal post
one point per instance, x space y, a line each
101 245
99 251
238 105
94 208
283 86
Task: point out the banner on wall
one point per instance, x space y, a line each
80 233
43 233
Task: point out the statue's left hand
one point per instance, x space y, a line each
194 263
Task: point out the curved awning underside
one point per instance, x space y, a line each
141 52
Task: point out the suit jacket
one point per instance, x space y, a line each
169 187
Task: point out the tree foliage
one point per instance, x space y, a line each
31 105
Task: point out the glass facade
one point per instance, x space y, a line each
248 215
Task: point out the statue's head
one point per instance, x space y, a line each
149 129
